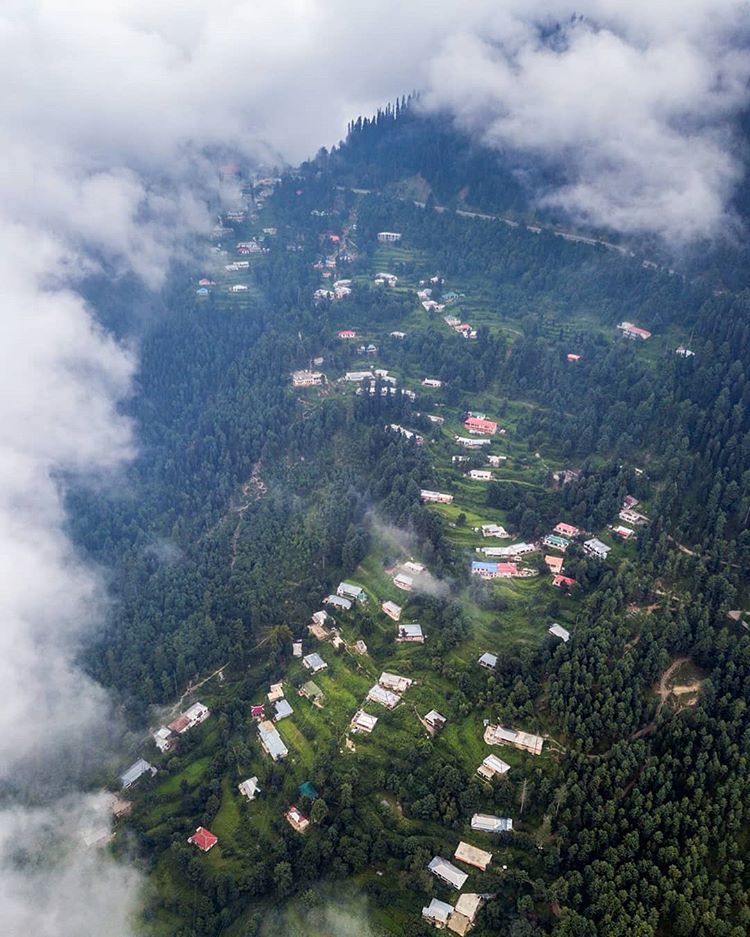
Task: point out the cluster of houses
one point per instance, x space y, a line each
388 690
406 433
463 328
406 633
406 576
499 562
460 917
165 737
501 570
341 289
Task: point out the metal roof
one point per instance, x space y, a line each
447 872
282 709
438 911
136 771
496 765
314 662
394 681
272 741
486 823
387 698
559 632
349 589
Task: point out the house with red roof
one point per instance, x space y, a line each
347 333
563 582
296 819
204 839
180 725
480 427
566 530
572 357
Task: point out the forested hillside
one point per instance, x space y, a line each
251 498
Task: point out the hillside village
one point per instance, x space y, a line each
360 675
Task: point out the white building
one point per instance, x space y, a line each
411 567
363 722
494 530
481 475
314 663
406 433
486 823
437 913
337 601
387 698
447 872
633 332
395 682
349 590
431 382
557 631
307 378
409 634
282 710
271 741
492 766
389 237
164 739
192 717
249 788
392 610
402 581
525 741
435 720
135 772
435 497
488 661
389 279
596 548
511 552
468 443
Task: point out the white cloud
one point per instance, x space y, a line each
81 892
635 101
